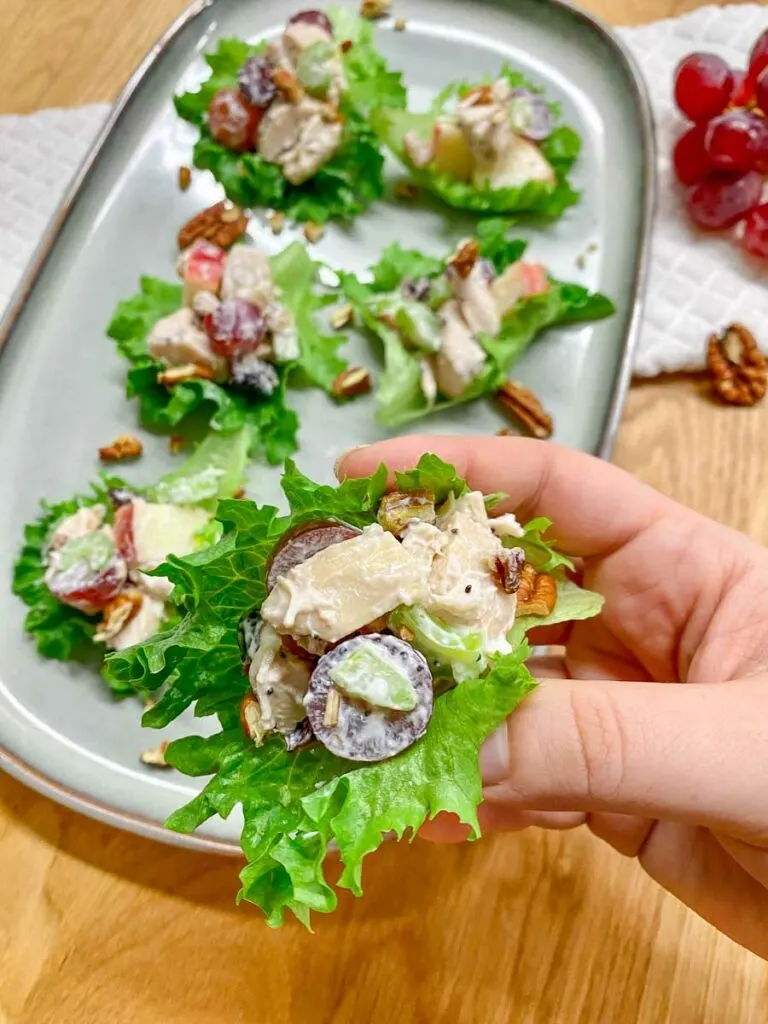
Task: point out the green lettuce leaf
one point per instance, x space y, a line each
214 469
273 426
295 805
561 149
351 180
573 603
400 397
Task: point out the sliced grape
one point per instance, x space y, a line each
86 572
256 81
530 115
313 17
703 86
299 544
300 736
690 157
721 201
352 728
236 327
232 120
756 231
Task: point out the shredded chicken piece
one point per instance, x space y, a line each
176 340
460 358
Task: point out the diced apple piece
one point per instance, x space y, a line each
160 530
248 275
520 163
345 586
536 279
452 155
201 267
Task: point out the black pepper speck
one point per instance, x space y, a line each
270 690
468 588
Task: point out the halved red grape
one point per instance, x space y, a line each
232 120
689 156
235 327
531 115
312 17
123 533
722 200
756 231
703 86
732 140
297 545
758 58
256 81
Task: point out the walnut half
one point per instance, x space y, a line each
737 367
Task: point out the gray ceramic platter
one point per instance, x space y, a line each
61 382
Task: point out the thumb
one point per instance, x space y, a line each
690 752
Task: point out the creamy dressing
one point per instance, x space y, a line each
279 681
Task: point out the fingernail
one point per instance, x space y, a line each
494 757
344 454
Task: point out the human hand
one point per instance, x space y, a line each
676 776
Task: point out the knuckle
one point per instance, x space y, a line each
603 738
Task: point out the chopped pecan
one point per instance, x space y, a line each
465 257
346 45
276 222
399 25
221 224
507 569
480 97
522 405
239 492
354 381
180 374
737 367
536 592
250 718
288 85
372 9
118 613
313 232
125 446
505 432
331 114
176 444
342 316
185 178
406 190
399 508
155 756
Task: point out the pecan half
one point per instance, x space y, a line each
521 405
288 85
346 45
738 368
180 374
507 569
125 446
465 257
221 224
354 381
536 592
185 178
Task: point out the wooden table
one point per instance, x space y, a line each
99 926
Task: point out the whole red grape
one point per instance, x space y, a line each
232 120
743 88
703 85
761 91
758 58
236 327
313 18
722 200
690 157
732 141
756 231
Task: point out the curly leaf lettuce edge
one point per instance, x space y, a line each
61 633
273 423
400 397
295 805
343 187
561 149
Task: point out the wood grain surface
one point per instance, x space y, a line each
98 926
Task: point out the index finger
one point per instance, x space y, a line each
596 507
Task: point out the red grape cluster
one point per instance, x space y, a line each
723 157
